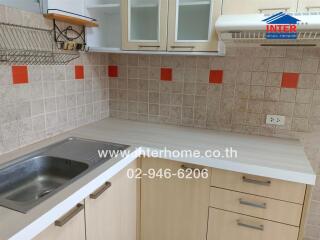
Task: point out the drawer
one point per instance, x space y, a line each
273 188
261 207
225 225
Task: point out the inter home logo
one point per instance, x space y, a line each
281 26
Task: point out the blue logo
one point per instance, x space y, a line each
281 26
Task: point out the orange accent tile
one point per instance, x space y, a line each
216 76
79 72
20 74
290 80
113 71
166 74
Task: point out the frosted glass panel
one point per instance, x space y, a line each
144 20
193 20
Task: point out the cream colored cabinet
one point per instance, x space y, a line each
172 208
251 207
144 24
258 6
225 225
70 227
172 25
111 211
309 6
191 25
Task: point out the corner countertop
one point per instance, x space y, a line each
262 156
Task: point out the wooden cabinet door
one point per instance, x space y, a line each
144 24
309 6
191 25
258 6
113 214
173 209
73 229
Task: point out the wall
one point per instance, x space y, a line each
253 85
52 101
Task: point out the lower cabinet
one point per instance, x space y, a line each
169 200
70 227
173 208
111 211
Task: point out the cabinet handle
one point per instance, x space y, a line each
185 167
273 9
257 182
259 227
182 46
312 7
252 204
149 46
66 218
101 190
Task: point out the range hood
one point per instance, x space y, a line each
251 28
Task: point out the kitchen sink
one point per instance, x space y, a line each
29 180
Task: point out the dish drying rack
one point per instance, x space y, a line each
29 45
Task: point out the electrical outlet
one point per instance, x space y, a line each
275 120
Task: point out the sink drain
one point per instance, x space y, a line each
44 193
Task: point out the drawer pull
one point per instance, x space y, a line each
312 7
66 218
255 181
149 46
101 190
259 227
252 204
273 9
182 46
185 167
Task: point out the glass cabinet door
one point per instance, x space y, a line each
191 25
145 24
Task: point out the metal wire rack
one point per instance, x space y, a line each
28 45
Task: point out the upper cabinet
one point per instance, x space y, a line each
144 24
309 6
174 25
108 34
258 6
191 25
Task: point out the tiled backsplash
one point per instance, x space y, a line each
51 101
232 93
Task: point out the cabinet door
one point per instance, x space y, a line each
71 227
144 24
112 214
258 6
191 25
309 6
175 208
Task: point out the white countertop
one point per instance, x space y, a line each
263 156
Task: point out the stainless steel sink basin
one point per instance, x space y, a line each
29 180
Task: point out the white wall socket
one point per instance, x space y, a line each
275 120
